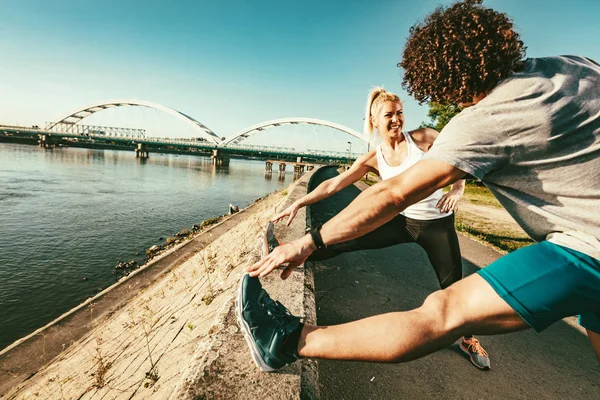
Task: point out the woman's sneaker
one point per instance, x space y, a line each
268 240
478 356
267 326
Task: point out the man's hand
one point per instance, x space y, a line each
291 211
292 254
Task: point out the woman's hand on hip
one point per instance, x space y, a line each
449 202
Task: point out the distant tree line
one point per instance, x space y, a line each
439 115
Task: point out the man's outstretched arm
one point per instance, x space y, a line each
382 202
371 209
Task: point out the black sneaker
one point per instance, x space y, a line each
269 242
266 325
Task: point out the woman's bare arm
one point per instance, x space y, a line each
359 168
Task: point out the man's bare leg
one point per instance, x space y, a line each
595 340
470 306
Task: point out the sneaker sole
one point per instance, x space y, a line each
269 230
256 356
471 358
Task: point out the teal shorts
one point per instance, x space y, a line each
546 282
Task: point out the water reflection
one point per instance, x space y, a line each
95 154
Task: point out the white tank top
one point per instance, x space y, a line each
424 209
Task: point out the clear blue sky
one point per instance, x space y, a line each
236 63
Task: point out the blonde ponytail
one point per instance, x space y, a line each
377 96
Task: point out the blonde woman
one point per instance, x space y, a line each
429 223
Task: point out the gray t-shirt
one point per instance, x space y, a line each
535 142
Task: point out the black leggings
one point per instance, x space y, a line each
437 237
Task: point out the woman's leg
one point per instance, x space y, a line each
439 240
387 235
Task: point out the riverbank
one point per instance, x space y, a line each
70 216
168 329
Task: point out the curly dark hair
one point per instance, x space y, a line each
459 52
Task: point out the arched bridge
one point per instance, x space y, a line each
76 116
245 133
81 113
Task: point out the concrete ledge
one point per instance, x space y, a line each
168 329
222 367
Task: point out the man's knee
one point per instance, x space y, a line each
444 307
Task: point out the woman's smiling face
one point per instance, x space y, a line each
389 121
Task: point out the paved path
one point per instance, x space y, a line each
556 364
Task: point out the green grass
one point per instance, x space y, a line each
506 242
211 221
480 195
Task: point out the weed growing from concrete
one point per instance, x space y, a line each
102 366
210 296
148 325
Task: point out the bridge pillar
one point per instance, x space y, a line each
298 169
219 157
141 151
269 166
46 140
281 167
299 159
310 167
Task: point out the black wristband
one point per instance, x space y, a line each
315 234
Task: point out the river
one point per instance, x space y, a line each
68 215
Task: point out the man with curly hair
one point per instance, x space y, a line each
530 130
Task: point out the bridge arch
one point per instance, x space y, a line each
81 113
247 132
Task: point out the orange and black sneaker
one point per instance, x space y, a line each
478 356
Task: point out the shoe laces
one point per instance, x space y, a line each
474 346
277 311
